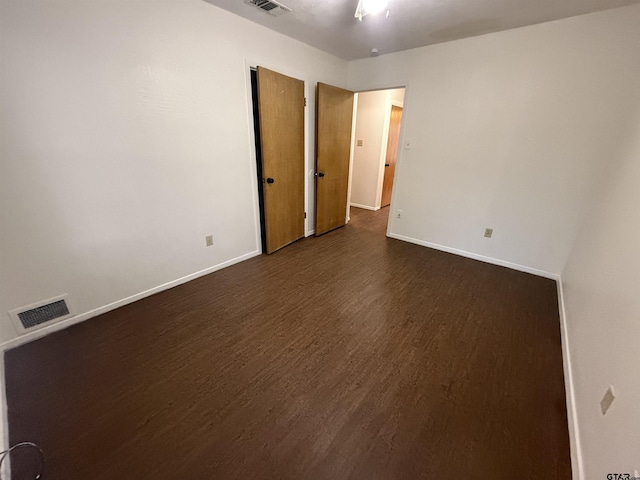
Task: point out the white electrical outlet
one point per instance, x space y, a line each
399 214
607 400
209 240
488 232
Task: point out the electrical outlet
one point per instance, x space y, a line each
399 214
209 240
607 400
360 143
488 232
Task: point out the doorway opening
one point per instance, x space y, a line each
376 147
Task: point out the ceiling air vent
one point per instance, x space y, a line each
269 6
37 315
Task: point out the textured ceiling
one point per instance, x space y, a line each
330 24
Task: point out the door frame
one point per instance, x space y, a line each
252 63
351 154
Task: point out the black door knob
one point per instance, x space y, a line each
270 180
387 164
319 174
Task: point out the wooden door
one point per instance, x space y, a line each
334 117
392 152
281 111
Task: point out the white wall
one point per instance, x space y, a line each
508 131
397 95
125 139
601 283
372 127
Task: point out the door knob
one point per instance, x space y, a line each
387 164
270 180
320 174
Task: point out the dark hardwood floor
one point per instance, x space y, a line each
348 356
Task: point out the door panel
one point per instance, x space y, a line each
334 116
392 152
281 111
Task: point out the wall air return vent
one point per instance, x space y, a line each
269 6
39 315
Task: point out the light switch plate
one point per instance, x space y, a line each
607 400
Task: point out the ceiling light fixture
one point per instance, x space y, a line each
371 7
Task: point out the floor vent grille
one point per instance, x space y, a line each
42 314
37 315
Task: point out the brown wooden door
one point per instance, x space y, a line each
281 111
334 116
392 152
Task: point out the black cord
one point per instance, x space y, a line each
24 444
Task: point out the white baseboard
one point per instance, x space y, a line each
22 339
572 416
366 207
475 256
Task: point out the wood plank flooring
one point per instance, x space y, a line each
347 356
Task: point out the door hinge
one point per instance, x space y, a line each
305 101
305 214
